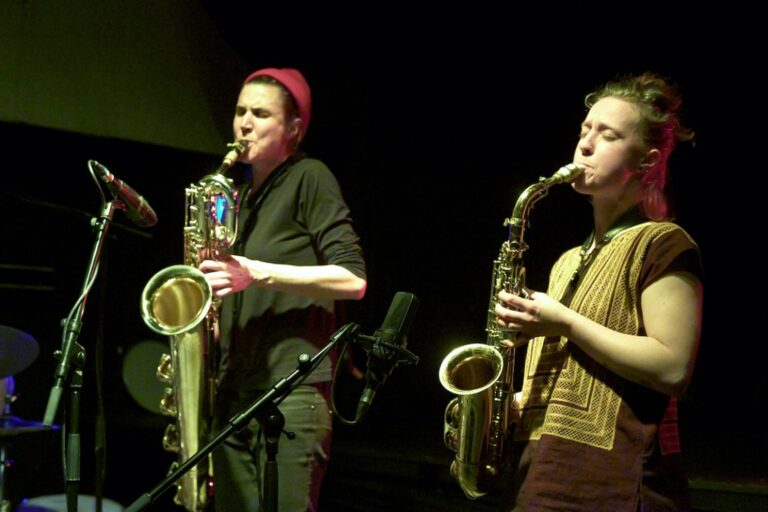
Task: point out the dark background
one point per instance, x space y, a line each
433 119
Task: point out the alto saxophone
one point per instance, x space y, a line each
178 302
477 420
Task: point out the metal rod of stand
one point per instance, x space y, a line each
72 462
272 426
73 354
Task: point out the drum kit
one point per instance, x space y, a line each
18 350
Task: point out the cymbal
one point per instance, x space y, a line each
17 351
12 425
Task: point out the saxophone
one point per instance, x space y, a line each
178 302
478 420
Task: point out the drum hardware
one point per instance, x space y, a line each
18 350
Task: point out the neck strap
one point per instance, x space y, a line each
628 219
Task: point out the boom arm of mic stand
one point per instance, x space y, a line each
269 398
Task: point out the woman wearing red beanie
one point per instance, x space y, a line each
296 254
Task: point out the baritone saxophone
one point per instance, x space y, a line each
478 420
178 302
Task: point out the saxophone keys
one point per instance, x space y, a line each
168 405
164 370
452 413
171 441
451 424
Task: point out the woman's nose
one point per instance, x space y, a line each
585 145
245 124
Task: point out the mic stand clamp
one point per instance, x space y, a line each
264 408
383 357
379 346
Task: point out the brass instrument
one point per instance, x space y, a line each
178 302
477 420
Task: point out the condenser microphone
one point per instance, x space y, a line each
388 347
137 209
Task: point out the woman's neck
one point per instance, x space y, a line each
260 172
606 213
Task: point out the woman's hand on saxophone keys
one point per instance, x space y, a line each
536 315
228 276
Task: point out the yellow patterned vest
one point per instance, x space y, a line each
566 393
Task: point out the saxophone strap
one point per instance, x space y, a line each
254 203
255 200
628 219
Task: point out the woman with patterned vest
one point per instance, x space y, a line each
613 341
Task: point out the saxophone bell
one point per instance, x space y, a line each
176 300
471 372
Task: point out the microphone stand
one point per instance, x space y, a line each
264 410
72 354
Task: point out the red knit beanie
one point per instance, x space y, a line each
294 81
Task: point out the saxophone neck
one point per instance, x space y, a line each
518 220
533 193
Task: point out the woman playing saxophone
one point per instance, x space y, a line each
296 253
614 339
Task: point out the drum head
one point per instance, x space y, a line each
140 373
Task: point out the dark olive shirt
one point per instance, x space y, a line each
297 217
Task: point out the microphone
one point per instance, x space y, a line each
137 209
388 350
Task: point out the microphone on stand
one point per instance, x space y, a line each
388 346
137 209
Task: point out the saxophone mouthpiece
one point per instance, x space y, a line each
235 149
239 145
567 173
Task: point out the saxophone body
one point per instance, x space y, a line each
478 419
178 302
